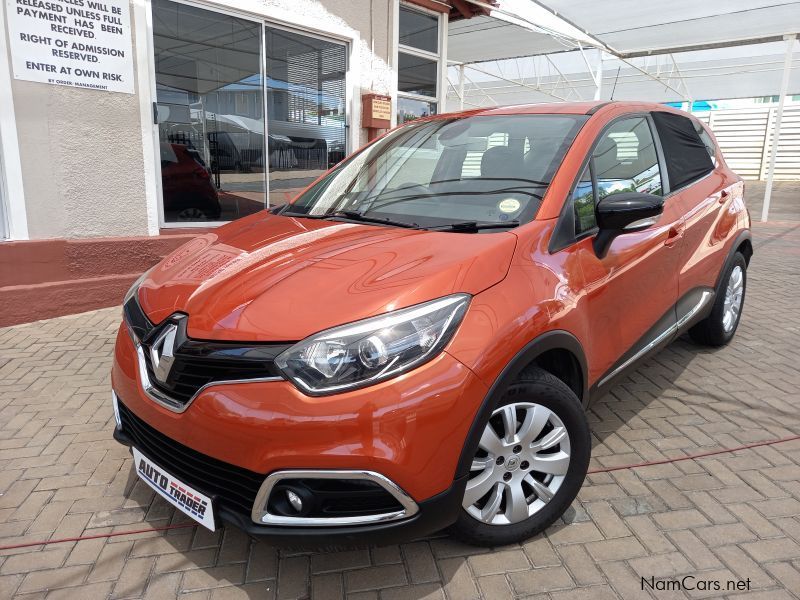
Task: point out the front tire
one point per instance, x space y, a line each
719 327
529 465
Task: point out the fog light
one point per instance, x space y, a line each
115 404
294 500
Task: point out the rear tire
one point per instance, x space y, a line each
720 326
550 447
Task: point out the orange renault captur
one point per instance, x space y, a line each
411 344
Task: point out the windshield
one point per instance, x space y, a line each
485 171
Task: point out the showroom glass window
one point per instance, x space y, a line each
248 114
210 113
418 64
306 117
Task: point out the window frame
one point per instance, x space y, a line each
437 56
564 234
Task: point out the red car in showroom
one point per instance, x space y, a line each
411 344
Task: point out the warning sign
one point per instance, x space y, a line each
77 43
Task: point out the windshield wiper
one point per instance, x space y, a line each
302 215
473 226
357 216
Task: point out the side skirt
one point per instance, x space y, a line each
694 306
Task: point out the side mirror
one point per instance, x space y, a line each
624 212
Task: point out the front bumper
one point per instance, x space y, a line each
410 430
434 514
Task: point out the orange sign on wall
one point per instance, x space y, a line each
376 111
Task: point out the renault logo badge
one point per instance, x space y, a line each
162 352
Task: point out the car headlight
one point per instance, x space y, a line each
368 351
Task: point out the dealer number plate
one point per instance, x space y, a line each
173 490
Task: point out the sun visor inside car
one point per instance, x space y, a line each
686 156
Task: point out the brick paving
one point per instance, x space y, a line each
727 517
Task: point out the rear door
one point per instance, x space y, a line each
704 191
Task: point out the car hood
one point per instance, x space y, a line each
274 278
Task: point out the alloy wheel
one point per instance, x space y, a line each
522 459
733 298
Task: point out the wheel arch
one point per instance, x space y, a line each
742 243
543 351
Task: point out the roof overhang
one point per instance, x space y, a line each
624 28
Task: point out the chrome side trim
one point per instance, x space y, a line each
170 403
705 297
262 517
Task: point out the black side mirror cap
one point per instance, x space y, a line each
624 212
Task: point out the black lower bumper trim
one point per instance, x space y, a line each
435 513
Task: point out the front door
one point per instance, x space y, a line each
630 292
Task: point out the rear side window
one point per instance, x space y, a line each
708 143
686 155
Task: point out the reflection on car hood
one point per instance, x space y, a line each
273 278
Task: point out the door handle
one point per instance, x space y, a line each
673 235
723 196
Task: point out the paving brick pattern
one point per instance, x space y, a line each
731 517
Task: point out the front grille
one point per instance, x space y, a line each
228 485
198 363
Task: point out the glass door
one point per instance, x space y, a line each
210 113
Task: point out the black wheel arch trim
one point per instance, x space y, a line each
558 339
741 237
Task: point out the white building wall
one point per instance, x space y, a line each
87 157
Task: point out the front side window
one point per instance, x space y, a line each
625 159
486 169
583 203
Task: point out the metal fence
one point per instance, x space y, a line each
745 137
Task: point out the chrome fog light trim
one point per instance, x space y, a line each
115 404
261 515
